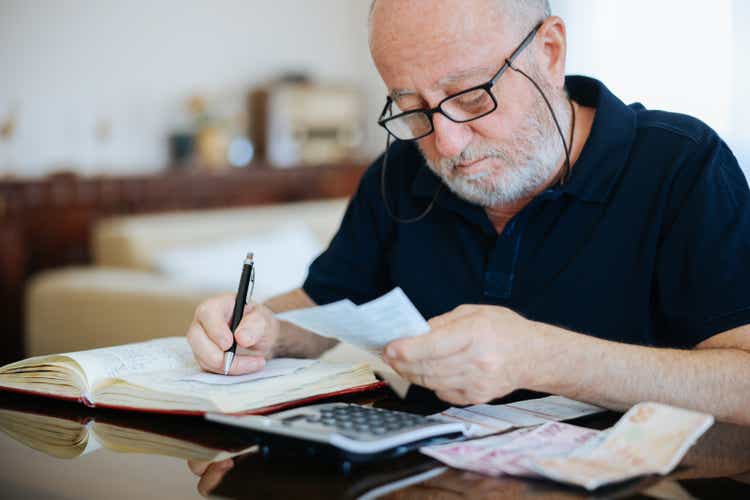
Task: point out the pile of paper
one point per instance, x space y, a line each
370 326
483 420
649 439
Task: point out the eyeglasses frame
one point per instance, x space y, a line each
487 87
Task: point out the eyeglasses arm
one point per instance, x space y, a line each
509 61
387 106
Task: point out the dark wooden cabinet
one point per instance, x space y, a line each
47 223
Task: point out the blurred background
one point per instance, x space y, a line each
106 87
144 146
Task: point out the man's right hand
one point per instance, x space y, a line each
209 335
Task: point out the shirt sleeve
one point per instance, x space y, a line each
353 266
703 267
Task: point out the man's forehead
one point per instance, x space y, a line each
419 49
453 78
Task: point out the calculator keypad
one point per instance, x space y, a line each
367 421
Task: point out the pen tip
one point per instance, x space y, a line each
250 256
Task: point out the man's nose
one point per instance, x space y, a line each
451 138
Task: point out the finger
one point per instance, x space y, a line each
449 365
244 364
448 383
443 319
213 476
445 341
209 356
456 397
213 318
252 327
198 467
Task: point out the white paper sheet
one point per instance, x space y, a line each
557 408
476 425
514 416
370 326
274 368
491 419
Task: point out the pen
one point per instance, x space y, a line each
247 277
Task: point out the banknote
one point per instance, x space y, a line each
512 452
651 438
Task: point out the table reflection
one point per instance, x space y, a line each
68 431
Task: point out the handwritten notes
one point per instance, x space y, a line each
274 368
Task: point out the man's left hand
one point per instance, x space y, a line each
472 355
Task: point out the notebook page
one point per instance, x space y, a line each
276 367
153 355
176 386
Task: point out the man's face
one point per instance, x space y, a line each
425 52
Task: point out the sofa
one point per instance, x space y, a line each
149 272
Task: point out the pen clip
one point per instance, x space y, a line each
252 284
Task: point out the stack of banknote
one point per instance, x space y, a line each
651 438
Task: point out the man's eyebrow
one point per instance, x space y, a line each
459 76
397 94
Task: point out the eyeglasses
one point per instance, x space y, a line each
465 106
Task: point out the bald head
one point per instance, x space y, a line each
517 14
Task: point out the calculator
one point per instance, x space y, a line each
356 429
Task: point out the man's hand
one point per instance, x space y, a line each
209 335
472 354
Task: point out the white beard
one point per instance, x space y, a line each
526 164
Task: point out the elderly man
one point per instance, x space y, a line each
559 240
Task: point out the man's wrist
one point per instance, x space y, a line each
551 354
295 342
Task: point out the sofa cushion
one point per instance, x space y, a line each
134 241
80 308
282 256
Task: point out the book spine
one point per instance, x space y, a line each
88 400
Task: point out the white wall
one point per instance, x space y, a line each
740 137
688 56
68 64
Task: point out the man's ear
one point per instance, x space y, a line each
552 39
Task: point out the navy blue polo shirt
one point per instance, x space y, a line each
648 243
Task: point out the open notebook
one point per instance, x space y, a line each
162 376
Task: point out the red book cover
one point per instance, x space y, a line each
257 411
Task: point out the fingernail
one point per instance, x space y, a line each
390 352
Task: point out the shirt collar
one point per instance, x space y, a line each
607 148
599 165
